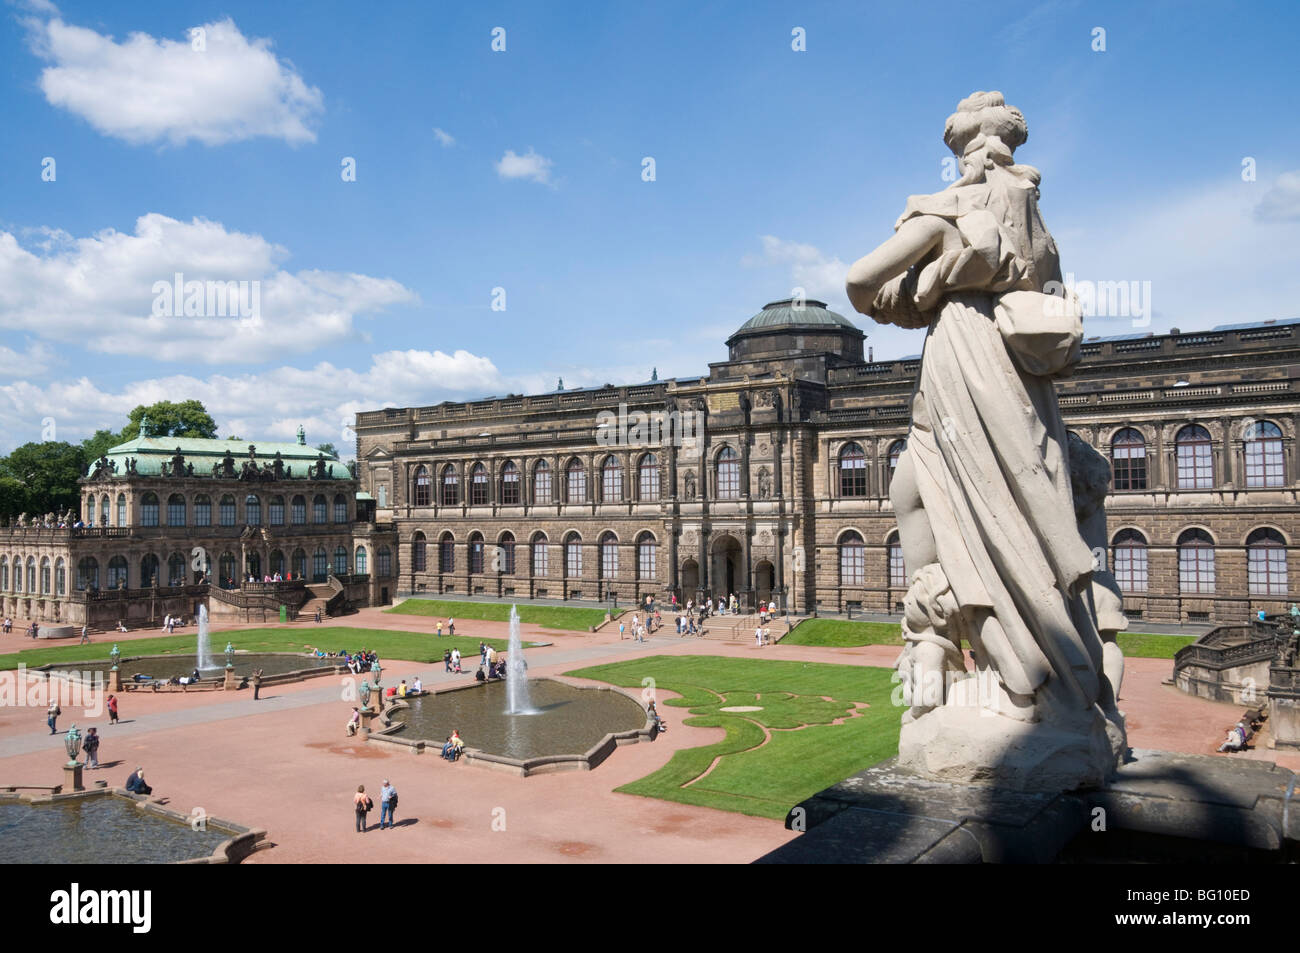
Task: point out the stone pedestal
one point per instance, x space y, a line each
72 777
1160 807
231 682
367 716
114 681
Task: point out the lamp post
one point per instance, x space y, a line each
115 655
114 675
72 770
230 685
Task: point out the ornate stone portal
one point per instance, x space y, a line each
1000 517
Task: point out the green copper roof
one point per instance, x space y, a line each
784 314
151 452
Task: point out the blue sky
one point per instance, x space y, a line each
521 170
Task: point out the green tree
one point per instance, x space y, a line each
100 443
48 472
327 449
189 418
13 497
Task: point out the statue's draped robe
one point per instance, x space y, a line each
988 445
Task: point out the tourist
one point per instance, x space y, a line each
317 616
51 716
758 636
439 628
85 635
479 676
455 661
482 654
387 803
136 783
451 750
354 723
401 693
91 746
112 709
490 654
417 687
361 805
451 626
121 626
8 625
620 631
653 713
446 660
256 680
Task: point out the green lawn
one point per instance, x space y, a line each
805 753
549 617
412 646
840 633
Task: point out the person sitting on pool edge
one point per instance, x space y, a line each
135 783
452 749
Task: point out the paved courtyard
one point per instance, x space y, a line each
284 763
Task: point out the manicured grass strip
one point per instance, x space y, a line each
411 646
549 617
805 753
841 633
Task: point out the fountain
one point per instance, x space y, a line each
205 662
517 696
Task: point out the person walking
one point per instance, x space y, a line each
361 805
85 635
51 716
257 683
387 803
91 746
451 626
112 709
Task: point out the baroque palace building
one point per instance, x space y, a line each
768 477
167 524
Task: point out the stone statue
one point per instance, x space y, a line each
178 463
986 513
764 483
228 465
189 469
277 465
689 487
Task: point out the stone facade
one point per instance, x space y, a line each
773 472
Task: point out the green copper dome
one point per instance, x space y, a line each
786 314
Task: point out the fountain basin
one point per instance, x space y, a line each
575 728
111 826
283 666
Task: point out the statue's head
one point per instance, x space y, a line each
983 132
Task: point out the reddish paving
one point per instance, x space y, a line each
284 763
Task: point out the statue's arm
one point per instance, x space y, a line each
915 240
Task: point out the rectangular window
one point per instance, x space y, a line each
1196 569
176 513
277 512
1264 463
577 486
649 483
1131 568
298 512
318 510
510 488
540 562
226 512
340 511
897 570
1195 466
542 486
385 563
573 560
646 561
1266 570
852 565
608 560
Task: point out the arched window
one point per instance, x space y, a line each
447 553
572 556
728 478
542 482
253 565
117 573
121 509
608 555
509 484
149 510
611 480
148 571
340 561
277 563
175 510
18 574
87 573
894 454
540 560
176 569
226 570
475 553
1195 562
418 561
60 577
449 483
897 568
226 510
478 485
299 563
340 508
423 494
298 510
47 578
648 478
359 560
4 573
275 511
1195 462
506 554
575 476
853 559
31 575
320 565
646 553
202 510
1263 446
1266 563
384 562
1130 560
252 510
319 509
1128 454
103 511
853 471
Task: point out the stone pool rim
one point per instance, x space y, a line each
242 841
521 767
67 671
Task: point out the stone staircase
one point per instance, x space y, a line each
319 595
740 627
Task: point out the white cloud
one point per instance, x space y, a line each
530 165
102 292
36 359
148 89
445 139
266 405
1281 203
821 276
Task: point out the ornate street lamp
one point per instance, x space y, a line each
377 671
230 656
115 655
365 696
72 743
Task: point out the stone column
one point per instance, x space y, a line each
72 777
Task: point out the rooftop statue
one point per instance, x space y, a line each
986 513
